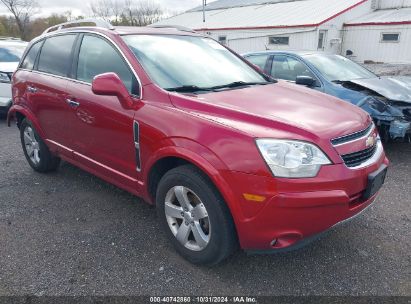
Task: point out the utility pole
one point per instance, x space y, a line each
204 5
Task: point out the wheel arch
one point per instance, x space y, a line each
18 113
172 157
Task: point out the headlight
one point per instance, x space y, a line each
291 158
4 77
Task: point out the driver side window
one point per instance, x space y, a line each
288 68
259 60
97 56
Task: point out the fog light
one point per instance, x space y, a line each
286 240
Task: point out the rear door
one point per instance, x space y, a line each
46 89
102 130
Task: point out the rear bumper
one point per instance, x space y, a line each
296 211
5 104
5 94
5 101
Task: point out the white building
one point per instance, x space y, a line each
383 35
255 25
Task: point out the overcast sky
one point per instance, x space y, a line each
82 7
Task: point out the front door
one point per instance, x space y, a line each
101 128
289 68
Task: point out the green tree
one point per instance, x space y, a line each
22 11
8 27
3 31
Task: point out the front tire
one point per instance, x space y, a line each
35 150
195 217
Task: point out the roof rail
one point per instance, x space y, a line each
75 23
177 27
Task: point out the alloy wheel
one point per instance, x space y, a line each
32 146
187 218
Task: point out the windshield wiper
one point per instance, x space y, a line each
237 84
187 89
194 88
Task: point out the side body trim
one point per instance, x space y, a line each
136 133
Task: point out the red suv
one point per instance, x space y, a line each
229 156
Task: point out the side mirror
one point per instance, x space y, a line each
109 84
305 80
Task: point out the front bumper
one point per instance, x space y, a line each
399 129
296 211
306 241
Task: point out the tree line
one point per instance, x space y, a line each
23 23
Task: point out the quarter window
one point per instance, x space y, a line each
390 37
55 55
97 56
279 40
29 60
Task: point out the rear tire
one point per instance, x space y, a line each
195 217
35 150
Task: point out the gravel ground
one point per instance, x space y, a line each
69 233
386 69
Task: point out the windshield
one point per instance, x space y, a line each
175 61
11 53
338 68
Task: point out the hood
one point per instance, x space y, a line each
279 107
8 67
392 88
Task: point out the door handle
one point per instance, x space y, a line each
31 89
72 103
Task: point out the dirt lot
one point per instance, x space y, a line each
390 69
69 233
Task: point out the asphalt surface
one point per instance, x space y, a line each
70 233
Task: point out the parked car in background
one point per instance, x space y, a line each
11 50
386 99
176 118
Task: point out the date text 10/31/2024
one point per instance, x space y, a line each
236 299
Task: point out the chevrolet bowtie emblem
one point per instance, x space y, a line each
370 141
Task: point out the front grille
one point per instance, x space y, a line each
357 158
351 137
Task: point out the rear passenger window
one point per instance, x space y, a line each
97 56
55 55
28 62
